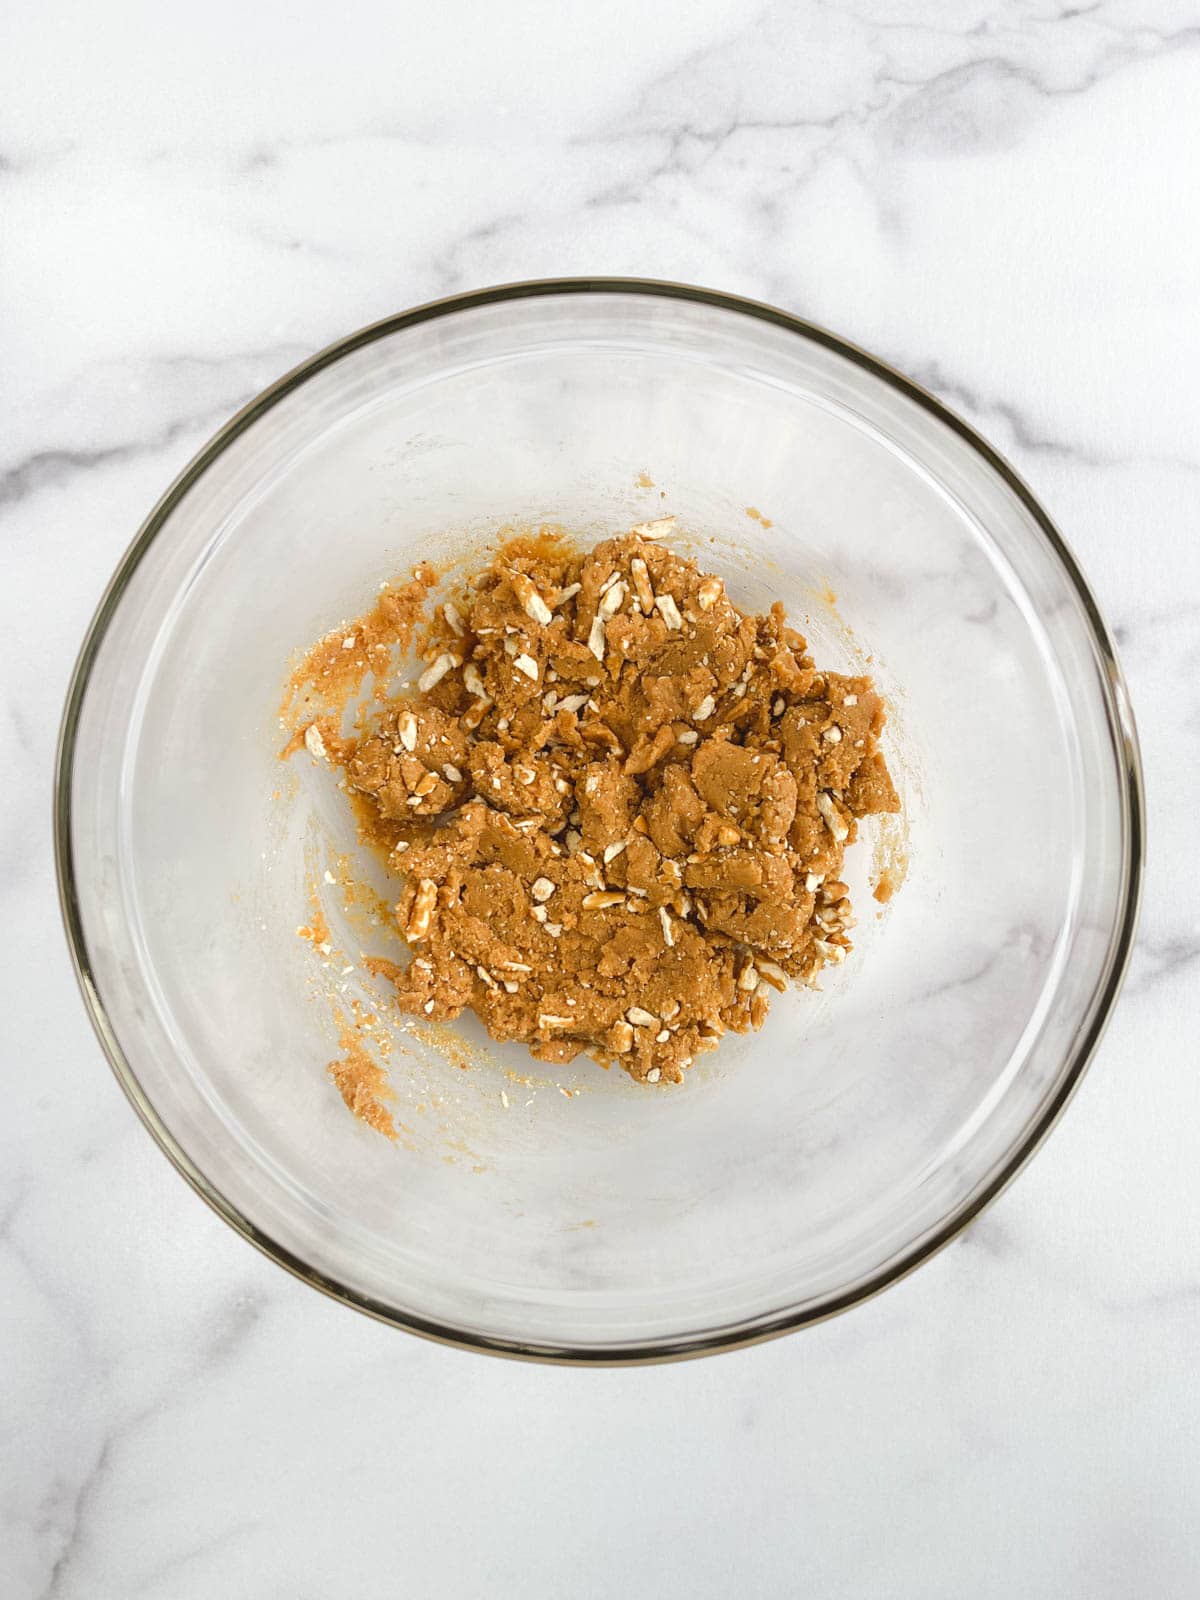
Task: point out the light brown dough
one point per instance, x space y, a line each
619 806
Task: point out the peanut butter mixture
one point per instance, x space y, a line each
618 805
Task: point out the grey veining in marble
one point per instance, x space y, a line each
1001 198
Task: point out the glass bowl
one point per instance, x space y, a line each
568 1213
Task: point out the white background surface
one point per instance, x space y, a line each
1002 199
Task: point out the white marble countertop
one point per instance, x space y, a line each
996 196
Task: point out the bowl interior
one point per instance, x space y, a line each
565 1209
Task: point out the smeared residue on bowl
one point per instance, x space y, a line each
362 1082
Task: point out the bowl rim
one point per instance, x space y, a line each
1122 731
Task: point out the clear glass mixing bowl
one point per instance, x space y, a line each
798 1170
